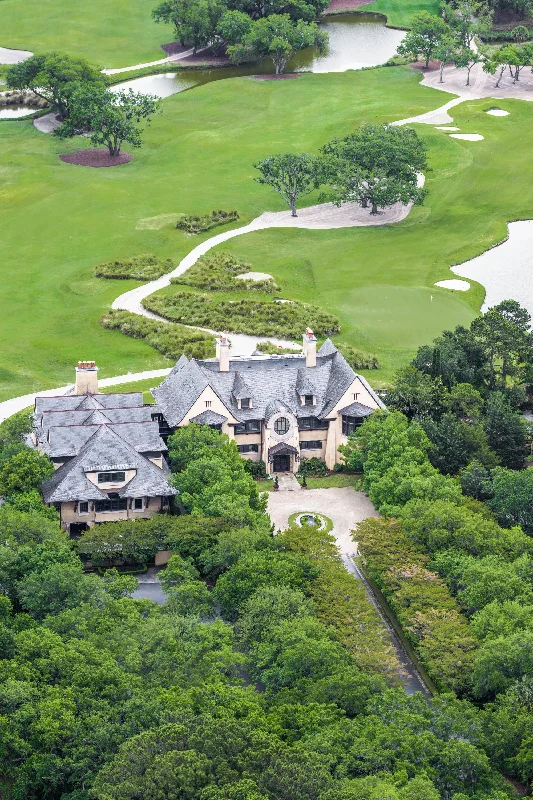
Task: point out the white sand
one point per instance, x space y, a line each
8 56
446 128
497 112
254 276
458 286
468 137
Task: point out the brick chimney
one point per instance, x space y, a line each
86 378
222 353
309 348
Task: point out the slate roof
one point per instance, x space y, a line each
356 410
67 440
72 402
105 448
272 380
282 448
209 417
49 419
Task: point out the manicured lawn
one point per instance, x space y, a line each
338 481
135 386
399 13
117 34
60 220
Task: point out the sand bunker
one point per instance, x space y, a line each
446 128
156 223
254 276
458 286
497 112
468 137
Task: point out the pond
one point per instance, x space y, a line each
506 270
355 41
12 112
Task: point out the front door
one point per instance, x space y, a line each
282 463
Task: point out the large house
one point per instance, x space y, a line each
278 408
107 452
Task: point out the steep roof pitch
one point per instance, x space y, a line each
67 440
356 410
103 450
72 402
209 417
177 393
57 418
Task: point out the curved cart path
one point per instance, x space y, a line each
8 56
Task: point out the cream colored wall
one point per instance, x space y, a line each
68 513
217 406
271 438
365 398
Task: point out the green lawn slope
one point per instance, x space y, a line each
60 220
400 13
117 34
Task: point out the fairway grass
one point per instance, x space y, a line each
400 13
60 220
117 34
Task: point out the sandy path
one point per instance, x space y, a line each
167 60
8 56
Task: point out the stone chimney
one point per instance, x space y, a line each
309 348
86 378
222 352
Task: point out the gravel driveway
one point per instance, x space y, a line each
345 508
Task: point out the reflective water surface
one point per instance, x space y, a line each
11 112
355 41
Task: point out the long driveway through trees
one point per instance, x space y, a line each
345 508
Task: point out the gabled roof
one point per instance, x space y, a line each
241 390
56 418
209 417
105 447
271 380
357 410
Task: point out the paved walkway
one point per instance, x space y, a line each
288 482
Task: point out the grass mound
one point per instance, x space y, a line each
255 317
218 271
143 267
194 224
170 339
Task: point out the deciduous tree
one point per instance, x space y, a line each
279 38
425 36
291 175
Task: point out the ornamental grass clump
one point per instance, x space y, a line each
257 318
218 272
170 339
146 266
194 224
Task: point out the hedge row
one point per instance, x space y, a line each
243 316
170 339
341 602
423 604
143 267
218 271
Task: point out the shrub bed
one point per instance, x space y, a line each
218 271
341 602
273 349
427 612
242 316
193 224
168 338
358 359
143 267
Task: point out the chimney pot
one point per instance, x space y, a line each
309 348
86 378
222 353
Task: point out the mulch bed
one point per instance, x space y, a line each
285 76
421 65
95 158
345 5
174 48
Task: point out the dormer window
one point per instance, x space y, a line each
111 477
309 400
245 402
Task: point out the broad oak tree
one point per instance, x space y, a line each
279 38
112 118
291 175
55 77
378 165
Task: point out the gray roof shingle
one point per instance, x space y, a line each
357 410
209 417
72 402
51 419
67 440
104 448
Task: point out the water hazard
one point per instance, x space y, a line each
12 112
355 41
